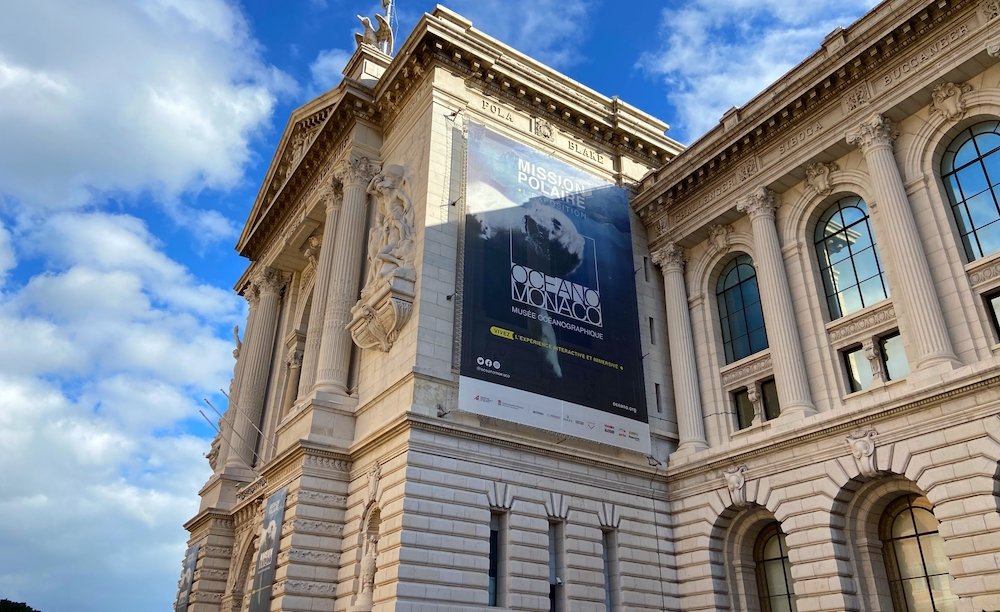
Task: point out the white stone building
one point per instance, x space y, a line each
820 356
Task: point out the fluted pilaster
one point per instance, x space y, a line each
334 198
348 252
227 439
913 286
258 347
683 367
776 298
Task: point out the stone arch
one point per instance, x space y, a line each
855 515
810 204
732 540
707 275
242 572
925 149
704 271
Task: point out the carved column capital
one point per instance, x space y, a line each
669 257
818 177
876 131
251 294
269 281
949 99
993 48
294 358
356 171
758 203
332 194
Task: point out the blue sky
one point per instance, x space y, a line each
133 139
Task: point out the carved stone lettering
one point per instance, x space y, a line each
918 60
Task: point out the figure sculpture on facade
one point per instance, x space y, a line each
380 38
390 240
239 343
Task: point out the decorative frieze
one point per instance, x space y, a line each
308 588
542 128
252 489
308 557
301 525
739 376
983 274
990 9
327 463
857 97
849 329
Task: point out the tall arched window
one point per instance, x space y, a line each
914 557
848 259
970 170
774 573
740 314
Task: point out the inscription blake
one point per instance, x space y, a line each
587 152
928 53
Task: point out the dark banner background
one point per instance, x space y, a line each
266 562
511 218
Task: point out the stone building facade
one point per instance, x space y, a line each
817 291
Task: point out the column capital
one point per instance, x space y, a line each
268 281
758 203
669 257
332 195
251 294
294 358
356 171
875 131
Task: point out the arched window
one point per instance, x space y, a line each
970 170
774 574
914 557
740 314
848 259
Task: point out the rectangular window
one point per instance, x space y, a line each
744 408
659 402
557 565
993 307
893 356
609 554
859 369
652 331
498 523
769 394
645 268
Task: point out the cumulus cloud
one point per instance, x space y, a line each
716 55
117 98
550 31
106 355
327 69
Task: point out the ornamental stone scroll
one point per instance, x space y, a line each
736 483
390 286
862 445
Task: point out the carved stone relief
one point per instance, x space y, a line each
736 483
818 177
543 129
862 447
719 238
387 297
948 99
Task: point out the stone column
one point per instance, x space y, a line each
776 299
348 253
333 197
913 286
683 367
227 437
259 346
293 362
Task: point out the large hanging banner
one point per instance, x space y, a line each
266 563
187 579
550 334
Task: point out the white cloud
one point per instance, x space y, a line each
105 357
717 55
551 31
118 98
327 69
